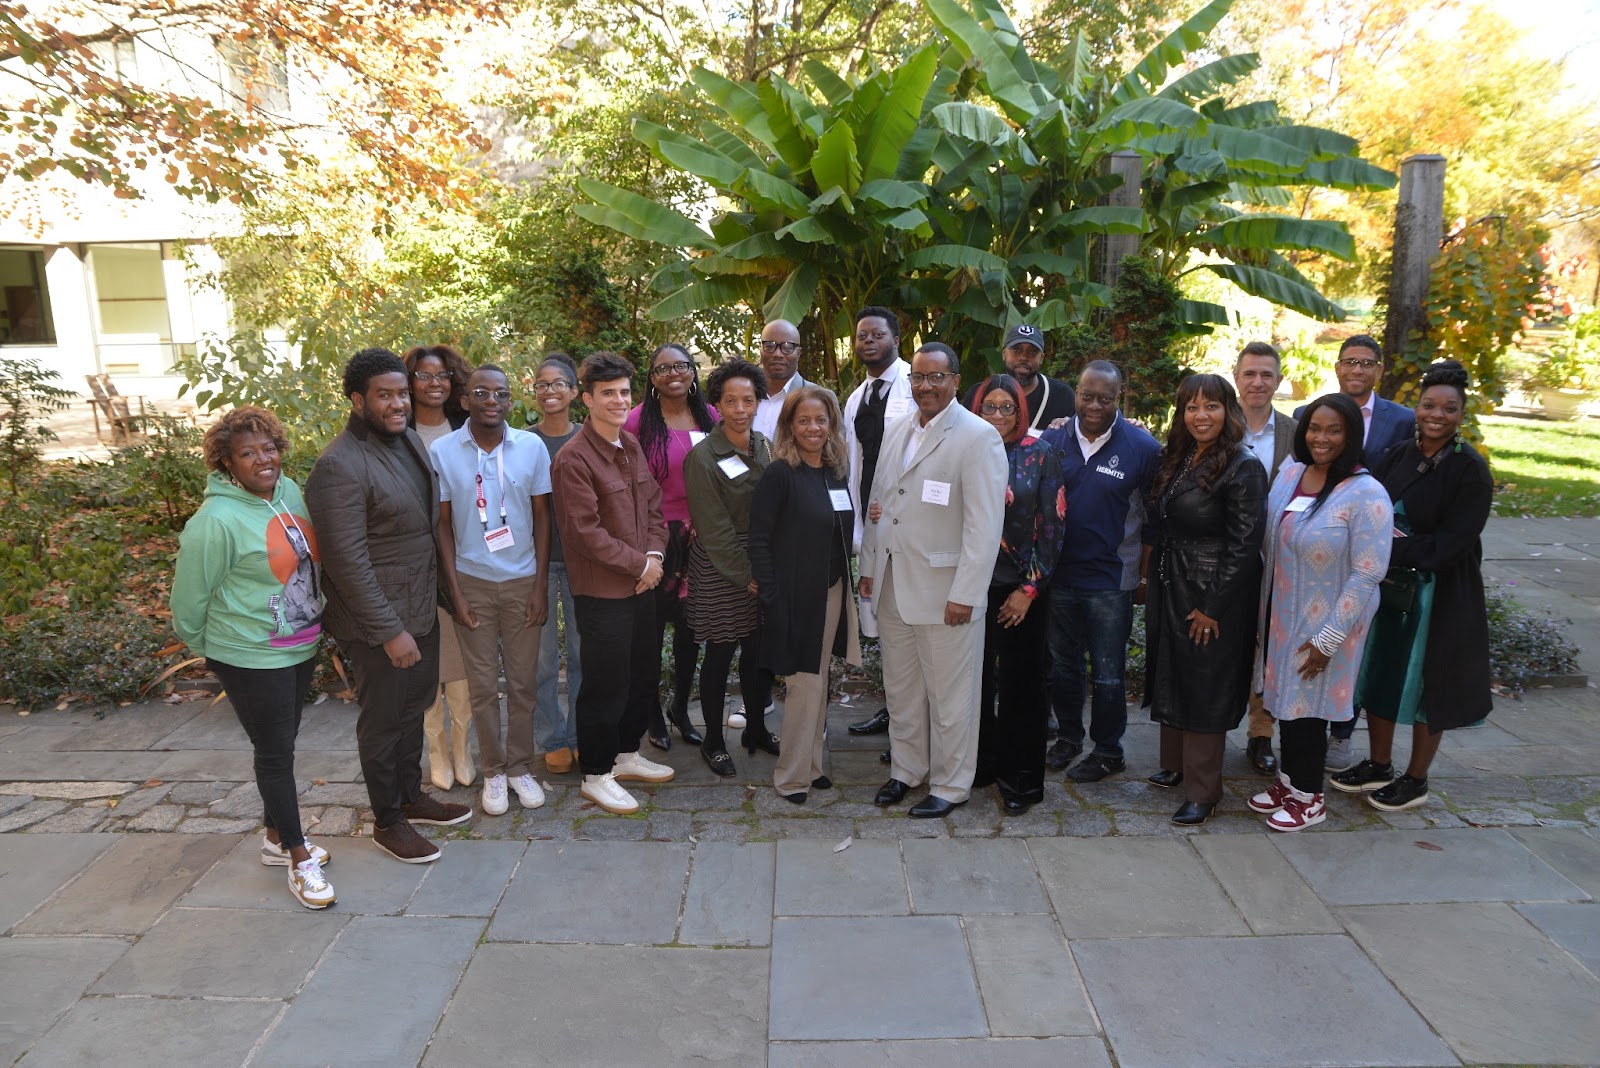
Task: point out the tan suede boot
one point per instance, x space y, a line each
433 729
459 697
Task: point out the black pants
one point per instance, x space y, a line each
268 703
1014 706
668 608
389 729
755 684
621 672
1304 745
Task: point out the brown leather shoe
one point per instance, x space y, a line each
558 761
435 813
402 842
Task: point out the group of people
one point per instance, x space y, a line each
438 546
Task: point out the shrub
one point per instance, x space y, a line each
100 657
1524 644
27 398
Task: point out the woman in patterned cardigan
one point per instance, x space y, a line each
1329 526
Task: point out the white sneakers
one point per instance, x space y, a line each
274 855
634 766
737 720
528 790
309 886
494 795
604 791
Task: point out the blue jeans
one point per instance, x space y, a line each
552 729
1096 623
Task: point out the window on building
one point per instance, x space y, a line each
255 76
25 315
118 57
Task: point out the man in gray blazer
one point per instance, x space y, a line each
1270 435
938 502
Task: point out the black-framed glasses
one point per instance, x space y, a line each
558 386
998 409
1365 365
788 348
662 370
425 377
498 394
932 378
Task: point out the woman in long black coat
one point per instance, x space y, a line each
1208 516
801 529
1427 656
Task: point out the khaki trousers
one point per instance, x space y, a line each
504 638
1199 756
805 712
1260 719
932 681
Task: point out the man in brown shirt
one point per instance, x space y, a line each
608 509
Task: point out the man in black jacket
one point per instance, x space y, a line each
374 504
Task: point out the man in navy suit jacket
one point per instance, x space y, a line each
1359 369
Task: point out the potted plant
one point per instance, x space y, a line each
1570 376
1306 366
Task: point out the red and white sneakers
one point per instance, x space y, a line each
1299 811
1272 799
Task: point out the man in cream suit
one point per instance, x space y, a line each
939 499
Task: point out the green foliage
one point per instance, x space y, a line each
166 466
1524 644
27 397
1306 365
98 657
1574 360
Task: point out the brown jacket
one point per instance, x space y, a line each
608 508
379 543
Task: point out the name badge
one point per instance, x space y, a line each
696 437
1299 504
733 467
896 407
499 538
935 492
840 499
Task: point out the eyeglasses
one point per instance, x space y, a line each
425 377
497 394
559 386
998 409
934 378
1365 365
662 370
876 335
788 348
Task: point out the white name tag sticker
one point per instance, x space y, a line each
840 499
935 492
696 437
1299 504
499 538
896 407
733 467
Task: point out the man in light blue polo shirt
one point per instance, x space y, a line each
494 537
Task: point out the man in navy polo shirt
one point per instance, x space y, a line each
1106 467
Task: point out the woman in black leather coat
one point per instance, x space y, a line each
1207 513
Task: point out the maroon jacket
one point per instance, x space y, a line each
608 507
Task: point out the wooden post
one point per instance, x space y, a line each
1418 230
1114 248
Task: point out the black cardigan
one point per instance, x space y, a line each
792 522
1447 509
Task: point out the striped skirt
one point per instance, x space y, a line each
717 610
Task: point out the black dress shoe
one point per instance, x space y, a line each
1194 813
719 761
883 757
656 732
931 807
1016 806
877 723
1061 754
822 782
762 739
679 718
795 799
891 793
1095 767
1259 750
1166 779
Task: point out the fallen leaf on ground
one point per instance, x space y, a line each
1429 846
151 782
842 846
319 782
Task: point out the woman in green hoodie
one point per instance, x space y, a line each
246 597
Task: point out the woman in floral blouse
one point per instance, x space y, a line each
1011 736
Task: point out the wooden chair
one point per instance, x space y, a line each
105 400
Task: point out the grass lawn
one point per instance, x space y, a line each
1544 468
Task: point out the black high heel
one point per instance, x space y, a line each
764 741
656 732
679 718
